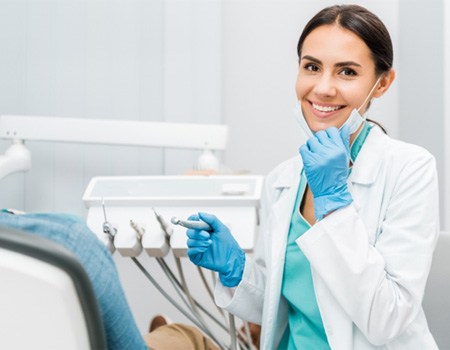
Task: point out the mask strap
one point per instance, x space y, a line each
370 93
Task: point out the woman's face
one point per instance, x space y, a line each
336 74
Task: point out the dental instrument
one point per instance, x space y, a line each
166 228
108 228
128 240
164 225
138 229
109 231
196 225
192 305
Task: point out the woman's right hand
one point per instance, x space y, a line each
216 250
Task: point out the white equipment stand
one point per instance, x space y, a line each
233 199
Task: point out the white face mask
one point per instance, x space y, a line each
354 120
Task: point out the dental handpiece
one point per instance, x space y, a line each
196 225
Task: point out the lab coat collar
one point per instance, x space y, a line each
370 158
290 177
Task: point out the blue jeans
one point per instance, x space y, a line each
69 231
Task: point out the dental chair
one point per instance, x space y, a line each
436 301
46 299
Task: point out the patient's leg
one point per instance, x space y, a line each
177 336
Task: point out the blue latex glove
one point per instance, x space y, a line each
216 250
326 158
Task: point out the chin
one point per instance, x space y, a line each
315 127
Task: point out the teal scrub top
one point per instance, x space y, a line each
305 328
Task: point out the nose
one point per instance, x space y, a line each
325 86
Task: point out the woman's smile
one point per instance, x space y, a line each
322 111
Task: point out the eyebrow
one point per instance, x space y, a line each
339 64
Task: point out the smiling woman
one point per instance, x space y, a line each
348 228
341 68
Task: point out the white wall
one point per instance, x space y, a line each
424 112
446 115
421 98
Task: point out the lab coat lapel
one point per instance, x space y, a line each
368 162
286 184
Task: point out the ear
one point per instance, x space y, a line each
384 84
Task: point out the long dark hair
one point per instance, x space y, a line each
365 25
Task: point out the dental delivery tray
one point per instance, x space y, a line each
120 200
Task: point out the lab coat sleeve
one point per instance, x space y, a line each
246 300
381 286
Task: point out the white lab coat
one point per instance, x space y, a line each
369 260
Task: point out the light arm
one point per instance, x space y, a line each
103 131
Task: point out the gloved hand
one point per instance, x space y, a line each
216 250
326 158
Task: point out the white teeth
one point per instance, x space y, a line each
325 108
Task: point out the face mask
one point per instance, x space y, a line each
304 128
354 120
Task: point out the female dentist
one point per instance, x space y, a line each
348 227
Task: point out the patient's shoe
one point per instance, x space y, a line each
158 321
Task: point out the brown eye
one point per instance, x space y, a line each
311 67
348 72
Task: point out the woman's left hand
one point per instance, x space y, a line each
326 158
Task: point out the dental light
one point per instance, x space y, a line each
16 158
18 128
